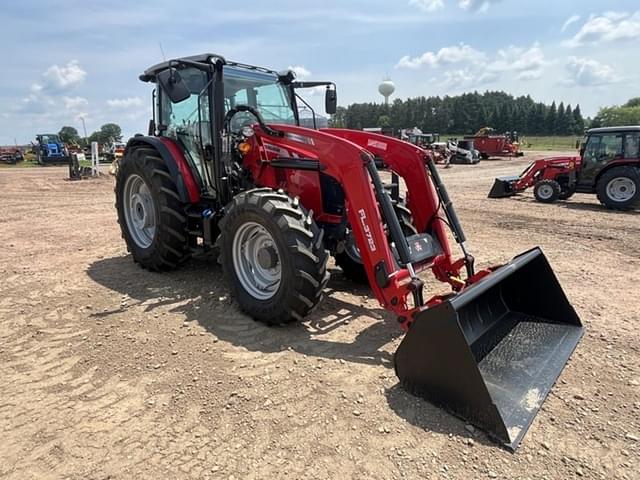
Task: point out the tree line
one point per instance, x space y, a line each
466 114
108 133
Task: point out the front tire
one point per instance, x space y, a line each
547 191
619 188
273 256
151 215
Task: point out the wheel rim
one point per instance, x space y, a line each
256 261
545 191
621 189
139 211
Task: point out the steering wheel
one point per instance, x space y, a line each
246 108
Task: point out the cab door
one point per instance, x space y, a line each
600 150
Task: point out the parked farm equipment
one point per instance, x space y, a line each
226 165
50 149
11 155
463 151
608 165
491 145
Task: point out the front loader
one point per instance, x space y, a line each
226 166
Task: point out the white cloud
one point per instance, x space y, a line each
75 103
529 75
609 27
471 67
467 78
428 5
571 20
61 78
527 63
444 56
457 78
586 72
476 5
300 71
123 103
431 6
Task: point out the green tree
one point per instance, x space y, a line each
633 102
69 135
551 119
339 120
578 121
111 132
617 116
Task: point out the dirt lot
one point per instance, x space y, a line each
111 372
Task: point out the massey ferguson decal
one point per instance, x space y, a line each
367 230
279 151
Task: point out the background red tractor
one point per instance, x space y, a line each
608 165
226 166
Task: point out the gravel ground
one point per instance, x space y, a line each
111 372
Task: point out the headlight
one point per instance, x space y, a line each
247 131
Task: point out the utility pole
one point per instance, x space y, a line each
84 127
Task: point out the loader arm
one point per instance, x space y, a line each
408 161
352 166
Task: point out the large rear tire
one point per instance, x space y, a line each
350 261
273 256
619 188
151 215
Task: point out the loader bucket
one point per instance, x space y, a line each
503 187
491 353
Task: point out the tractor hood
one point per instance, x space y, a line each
563 161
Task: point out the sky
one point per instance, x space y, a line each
81 58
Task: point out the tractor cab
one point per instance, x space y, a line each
603 148
203 102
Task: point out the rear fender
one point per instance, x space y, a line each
178 166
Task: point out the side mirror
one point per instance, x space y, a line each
173 85
330 100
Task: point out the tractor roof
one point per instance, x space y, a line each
628 128
203 59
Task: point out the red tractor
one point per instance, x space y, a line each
608 165
226 166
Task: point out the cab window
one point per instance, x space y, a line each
603 148
632 145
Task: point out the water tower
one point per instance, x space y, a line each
386 89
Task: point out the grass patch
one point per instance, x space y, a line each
531 142
550 143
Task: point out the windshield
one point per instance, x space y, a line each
50 139
259 90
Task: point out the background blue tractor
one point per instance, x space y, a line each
50 149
